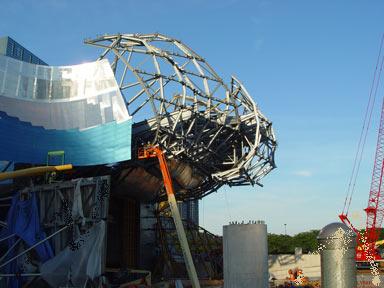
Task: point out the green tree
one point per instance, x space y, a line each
280 244
285 244
306 240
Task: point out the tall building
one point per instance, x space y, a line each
11 48
189 211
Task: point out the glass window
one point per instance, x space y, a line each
57 89
23 87
44 72
3 62
66 91
42 89
10 84
2 74
18 52
10 47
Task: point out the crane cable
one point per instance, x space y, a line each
377 84
364 129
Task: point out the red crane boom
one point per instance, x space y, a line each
366 249
375 208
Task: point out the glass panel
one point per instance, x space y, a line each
10 84
2 74
23 87
75 97
42 89
57 89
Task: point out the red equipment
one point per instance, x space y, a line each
157 152
150 151
366 249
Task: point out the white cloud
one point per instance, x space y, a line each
303 173
258 43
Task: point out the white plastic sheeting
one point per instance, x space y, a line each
64 97
77 207
75 264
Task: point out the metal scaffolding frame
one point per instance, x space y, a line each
206 249
56 201
179 102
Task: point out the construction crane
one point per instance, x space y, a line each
155 151
367 244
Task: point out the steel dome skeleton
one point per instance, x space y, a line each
180 102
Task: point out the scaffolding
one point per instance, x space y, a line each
67 212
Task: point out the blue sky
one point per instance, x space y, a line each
308 64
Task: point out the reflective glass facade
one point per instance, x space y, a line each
11 48
78 109
66 97
189 211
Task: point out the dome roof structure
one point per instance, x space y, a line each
212 132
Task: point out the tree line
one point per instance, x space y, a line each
286 244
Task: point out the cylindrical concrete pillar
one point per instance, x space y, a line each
245 255
337 244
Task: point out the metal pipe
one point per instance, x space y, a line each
5 238
33 171
337 244
21 275
183 241
155 151
10 249
33 246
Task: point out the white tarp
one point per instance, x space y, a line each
75 264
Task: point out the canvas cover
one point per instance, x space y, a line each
78 262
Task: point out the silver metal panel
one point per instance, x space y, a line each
65 97
337 251
245 255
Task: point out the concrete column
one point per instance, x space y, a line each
337 244
245 255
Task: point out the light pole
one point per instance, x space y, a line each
285 229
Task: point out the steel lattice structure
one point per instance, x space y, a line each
179 102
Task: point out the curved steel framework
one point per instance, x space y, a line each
179 102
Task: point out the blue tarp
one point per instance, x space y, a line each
23 221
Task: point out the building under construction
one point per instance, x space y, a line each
97 154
